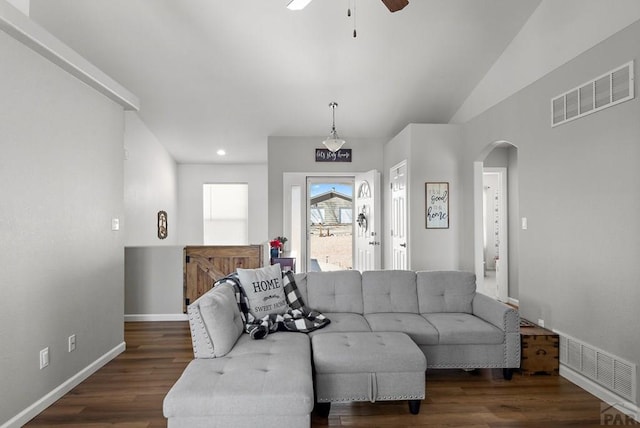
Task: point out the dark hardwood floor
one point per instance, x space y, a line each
128 392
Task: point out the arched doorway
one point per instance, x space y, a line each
495 221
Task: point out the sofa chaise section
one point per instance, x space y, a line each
236 381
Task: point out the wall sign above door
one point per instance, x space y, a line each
326 155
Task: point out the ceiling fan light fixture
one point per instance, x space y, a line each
333 142
298 4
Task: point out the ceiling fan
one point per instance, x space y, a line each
392 5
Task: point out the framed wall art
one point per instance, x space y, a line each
437 205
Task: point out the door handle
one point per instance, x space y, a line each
403 245
374 243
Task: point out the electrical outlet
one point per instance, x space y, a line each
44 358
540 322
72 343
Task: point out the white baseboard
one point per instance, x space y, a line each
625 406
156 317
36 408
514 302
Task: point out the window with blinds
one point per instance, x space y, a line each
225 214
611 88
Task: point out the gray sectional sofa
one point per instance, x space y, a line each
270 382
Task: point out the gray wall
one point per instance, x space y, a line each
150 185
62 273
190 181
153 279
578 186
153 266
297 154
432 153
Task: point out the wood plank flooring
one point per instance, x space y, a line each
128 393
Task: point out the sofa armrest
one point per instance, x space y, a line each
497 313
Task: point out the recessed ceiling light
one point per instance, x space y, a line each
221 152
298 4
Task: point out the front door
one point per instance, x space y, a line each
399 250
367 238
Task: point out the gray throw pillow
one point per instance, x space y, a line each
264 290
221 317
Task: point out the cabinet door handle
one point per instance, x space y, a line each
541 352
403 245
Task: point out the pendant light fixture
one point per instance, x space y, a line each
333 142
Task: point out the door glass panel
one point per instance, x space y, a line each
330 227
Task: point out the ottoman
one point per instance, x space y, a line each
367 366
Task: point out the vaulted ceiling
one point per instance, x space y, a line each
214 74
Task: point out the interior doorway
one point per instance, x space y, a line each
495 221
495 232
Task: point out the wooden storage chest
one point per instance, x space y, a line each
540 350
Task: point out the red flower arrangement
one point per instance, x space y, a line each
274 243
278 242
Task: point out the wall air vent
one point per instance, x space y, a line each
613 373
604 91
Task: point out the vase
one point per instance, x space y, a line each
275 253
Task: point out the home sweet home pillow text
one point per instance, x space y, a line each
264 290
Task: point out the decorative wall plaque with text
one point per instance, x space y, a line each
326 155
437 205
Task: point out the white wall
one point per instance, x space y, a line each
61 270
190 181
151 185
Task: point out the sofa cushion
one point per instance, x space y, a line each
258 377
464 329
221 316
343 322
339 291
264 290
445 291
389 291
416 326
301 283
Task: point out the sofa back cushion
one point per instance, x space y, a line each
215 322
301 283
445 291
338 291
389 291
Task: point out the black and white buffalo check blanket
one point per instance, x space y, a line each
297 318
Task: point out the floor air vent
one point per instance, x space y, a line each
610 89
611 372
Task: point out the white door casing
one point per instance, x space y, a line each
399 213
366 214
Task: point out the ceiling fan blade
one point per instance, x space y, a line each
395 5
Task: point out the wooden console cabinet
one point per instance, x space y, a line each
539 351
204 265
